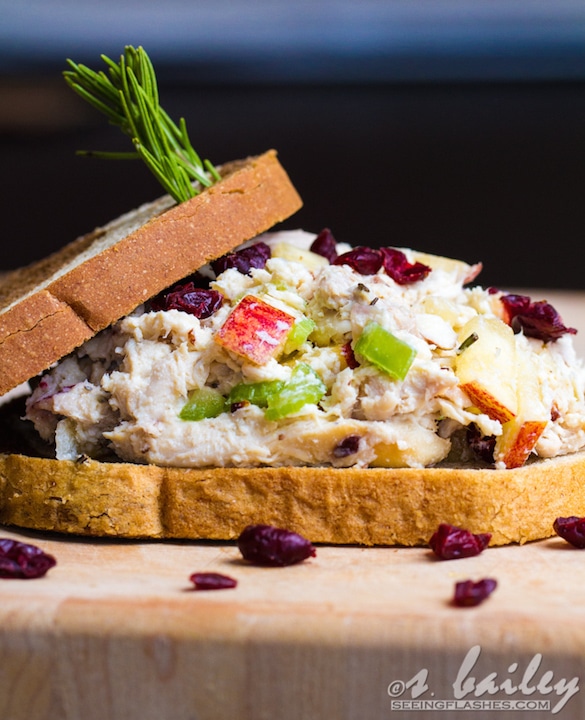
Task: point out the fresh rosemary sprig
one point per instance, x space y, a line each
128 95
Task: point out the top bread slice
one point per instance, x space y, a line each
53 306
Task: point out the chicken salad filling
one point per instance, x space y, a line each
297 350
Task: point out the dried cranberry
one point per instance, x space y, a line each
571 529
469 593
201 302
451 543
348 446
212 581
253 256
400 269
482 446
364 260
535 319
268 545
324 244
21 560
348 354
368 261
554 413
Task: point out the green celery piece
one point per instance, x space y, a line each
384 350
255 393
305 386
298 333
203 403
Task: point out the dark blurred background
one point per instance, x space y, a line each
453 127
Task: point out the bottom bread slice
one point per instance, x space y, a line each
338 506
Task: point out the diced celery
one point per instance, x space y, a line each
203 403
305 386
255 393
297 335
384 350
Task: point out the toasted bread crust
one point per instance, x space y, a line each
341 506
43 318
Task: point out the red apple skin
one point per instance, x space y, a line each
518 450
487 403
255 330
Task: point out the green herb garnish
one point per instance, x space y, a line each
467 342
128 95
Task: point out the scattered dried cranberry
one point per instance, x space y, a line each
482 446
364 260
400 270
451 543
212 581
348 446
535 319
571 529
325 245
253 256
268 545
469 593
201 302
21 560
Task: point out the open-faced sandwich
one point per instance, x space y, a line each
189 373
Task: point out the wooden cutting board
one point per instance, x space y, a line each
116 632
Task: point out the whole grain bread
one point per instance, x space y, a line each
357 506
51 307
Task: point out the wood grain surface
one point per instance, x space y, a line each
116 632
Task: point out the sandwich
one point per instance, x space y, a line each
190 369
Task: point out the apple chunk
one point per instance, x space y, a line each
292 253
255 330
518 439
461 269
486 367
417 447
520 435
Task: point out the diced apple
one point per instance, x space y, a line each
255 330
437 262
520 435
418 447
452 312
290 252
517 442
486 367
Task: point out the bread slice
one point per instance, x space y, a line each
50 308
342 506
